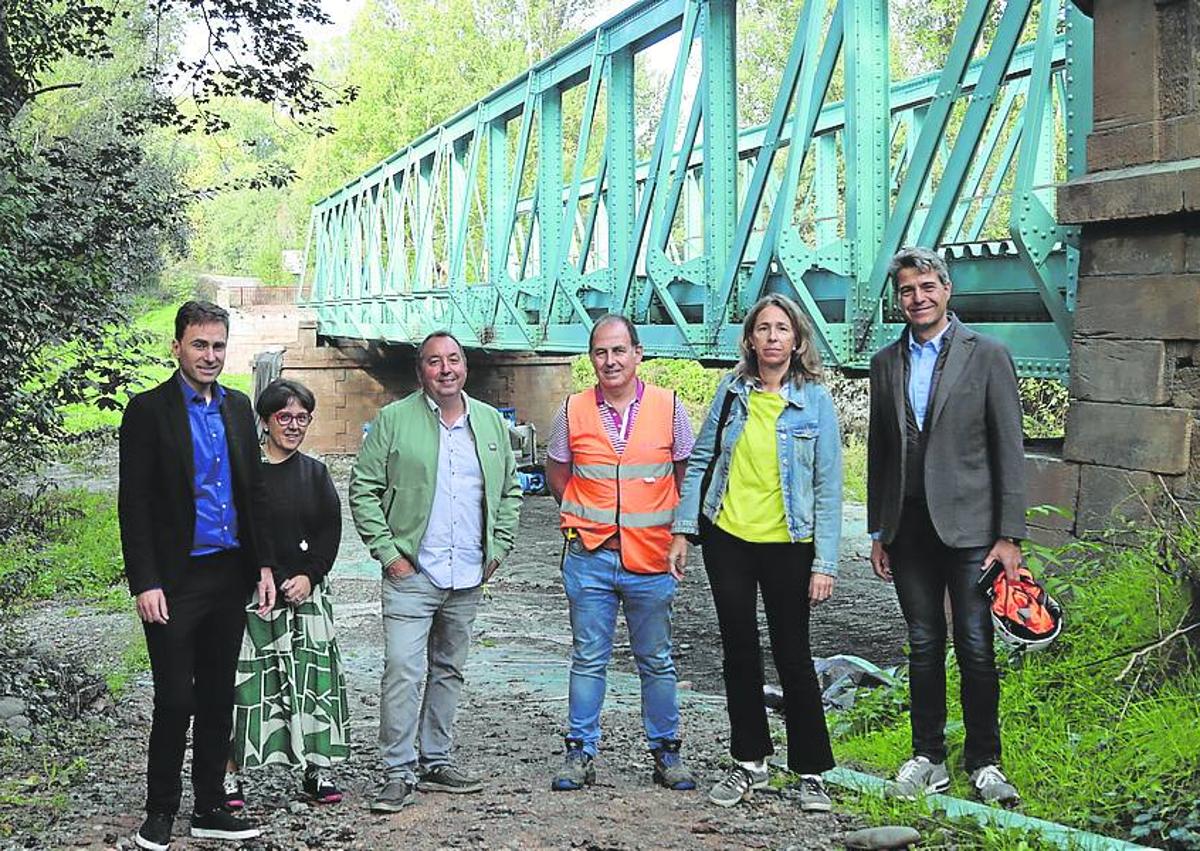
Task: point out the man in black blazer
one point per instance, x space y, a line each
189 493
945 496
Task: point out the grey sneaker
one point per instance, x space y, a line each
577 769
669 769
992 787
447 778
737 786
813 796
919 777
394 796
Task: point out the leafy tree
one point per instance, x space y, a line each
413 64
90 194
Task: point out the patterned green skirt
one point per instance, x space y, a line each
289 702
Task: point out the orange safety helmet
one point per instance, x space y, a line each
1024 615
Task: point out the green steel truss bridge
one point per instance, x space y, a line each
576 190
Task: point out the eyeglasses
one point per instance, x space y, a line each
286 419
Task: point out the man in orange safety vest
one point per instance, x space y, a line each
616 456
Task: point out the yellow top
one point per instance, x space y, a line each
753 506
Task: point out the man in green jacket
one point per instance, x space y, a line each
434 495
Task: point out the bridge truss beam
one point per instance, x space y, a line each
519 220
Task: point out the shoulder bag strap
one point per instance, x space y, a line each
726 404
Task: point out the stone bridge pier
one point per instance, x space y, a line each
352 381
1131 448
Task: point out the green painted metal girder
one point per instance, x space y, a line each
520 255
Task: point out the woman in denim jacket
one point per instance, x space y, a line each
768 505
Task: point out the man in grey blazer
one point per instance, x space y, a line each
945 496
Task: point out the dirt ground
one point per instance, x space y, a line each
509 729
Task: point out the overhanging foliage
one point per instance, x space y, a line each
91 197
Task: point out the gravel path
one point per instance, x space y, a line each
509 728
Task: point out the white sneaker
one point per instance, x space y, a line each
919 777
992 787
738 785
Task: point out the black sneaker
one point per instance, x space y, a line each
394 796
448 778
219 824
234 791
155 832
319 786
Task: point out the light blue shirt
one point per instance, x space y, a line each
922 358
451 552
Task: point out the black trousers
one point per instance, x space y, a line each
924 571
736 570
193 658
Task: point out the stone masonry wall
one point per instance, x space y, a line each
351 384
1135 357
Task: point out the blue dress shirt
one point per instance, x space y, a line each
212 487
922 358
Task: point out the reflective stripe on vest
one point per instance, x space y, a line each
629 520
633 493
627 471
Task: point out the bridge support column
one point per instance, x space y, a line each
535 385
352 382
1135 355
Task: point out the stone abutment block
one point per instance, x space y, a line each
1139 307
1052 489
1126 371
1132 437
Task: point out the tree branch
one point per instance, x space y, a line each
1140 654
55 87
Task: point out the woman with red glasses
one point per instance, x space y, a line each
290 702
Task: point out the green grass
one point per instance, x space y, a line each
1086 746
42 796
81 558
939 830
854 470
134 661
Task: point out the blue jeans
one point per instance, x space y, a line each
925 572
596 584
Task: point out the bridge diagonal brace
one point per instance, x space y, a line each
933 127
666 215
589 230
514 185
555 282
1032 225
798 62
664 137
983 100
982 158
815 79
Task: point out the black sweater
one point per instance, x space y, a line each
304 517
